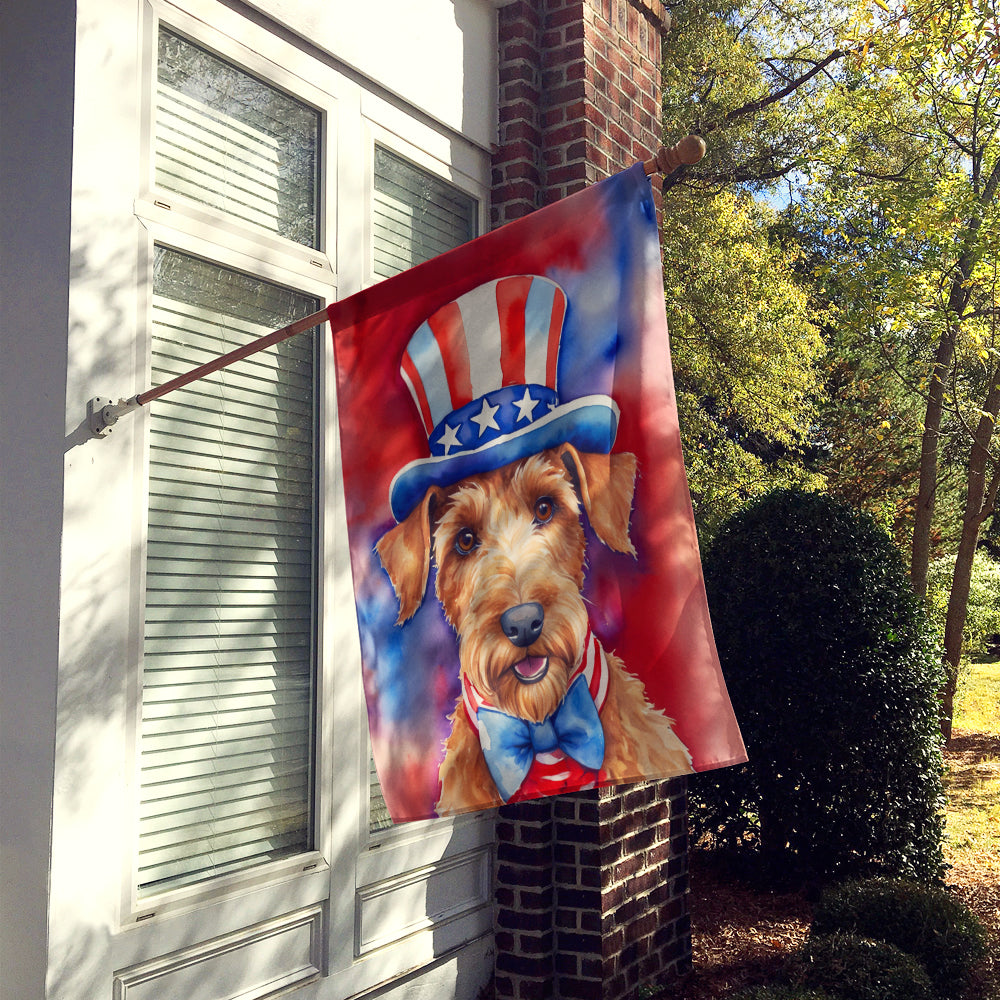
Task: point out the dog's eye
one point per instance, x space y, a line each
466 541
544 509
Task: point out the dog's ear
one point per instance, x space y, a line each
605 484
405 551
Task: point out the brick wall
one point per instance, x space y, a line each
579 96
591 889
591 893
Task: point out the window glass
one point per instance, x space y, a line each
228 684
416 216
228 140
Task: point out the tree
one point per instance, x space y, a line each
747 352
913 191
878 122
747 357
746 75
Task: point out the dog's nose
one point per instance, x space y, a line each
522 624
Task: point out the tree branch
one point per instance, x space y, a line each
754 106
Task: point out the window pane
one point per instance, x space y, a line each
228 658
416 216
228 140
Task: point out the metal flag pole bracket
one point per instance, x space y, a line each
103 413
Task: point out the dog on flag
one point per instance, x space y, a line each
497 506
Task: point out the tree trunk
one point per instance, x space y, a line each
980 498
920 553
958 299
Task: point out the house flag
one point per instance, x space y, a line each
526 573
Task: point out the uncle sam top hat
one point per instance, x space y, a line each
482 373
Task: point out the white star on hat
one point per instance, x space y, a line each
485 418
449 439
525 407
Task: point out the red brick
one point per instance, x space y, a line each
516 875
573 988
530 899
518 49
519 111
571 14
519 920
643 926
520 130
552 78
599 104
567 174
552 117
642 882
569 93
567 133
520 92
563 54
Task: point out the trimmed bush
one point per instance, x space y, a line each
925 922
856 968
833 672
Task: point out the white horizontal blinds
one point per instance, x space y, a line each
228 656
416 216
228 140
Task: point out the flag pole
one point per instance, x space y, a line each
103 414
687 152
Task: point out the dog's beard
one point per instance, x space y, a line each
490 661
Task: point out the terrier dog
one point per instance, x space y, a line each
543 708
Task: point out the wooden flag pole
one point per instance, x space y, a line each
687 152
103 413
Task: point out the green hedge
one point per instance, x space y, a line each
857 968
925 922
833 673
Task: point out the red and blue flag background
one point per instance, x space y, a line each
436 377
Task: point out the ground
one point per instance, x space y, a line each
742 935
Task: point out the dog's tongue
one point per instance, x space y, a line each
530 667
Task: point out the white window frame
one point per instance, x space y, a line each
180 224
350 874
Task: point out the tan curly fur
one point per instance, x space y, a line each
510 537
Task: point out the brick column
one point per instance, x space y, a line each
579 96
591 889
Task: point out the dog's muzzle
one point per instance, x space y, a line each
522 624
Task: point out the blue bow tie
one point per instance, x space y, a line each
510 744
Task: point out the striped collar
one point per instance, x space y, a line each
593 666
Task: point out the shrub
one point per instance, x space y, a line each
856 968
926 922
833 673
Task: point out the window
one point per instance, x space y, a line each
229 646
416 216
227 140
228 679
274 183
